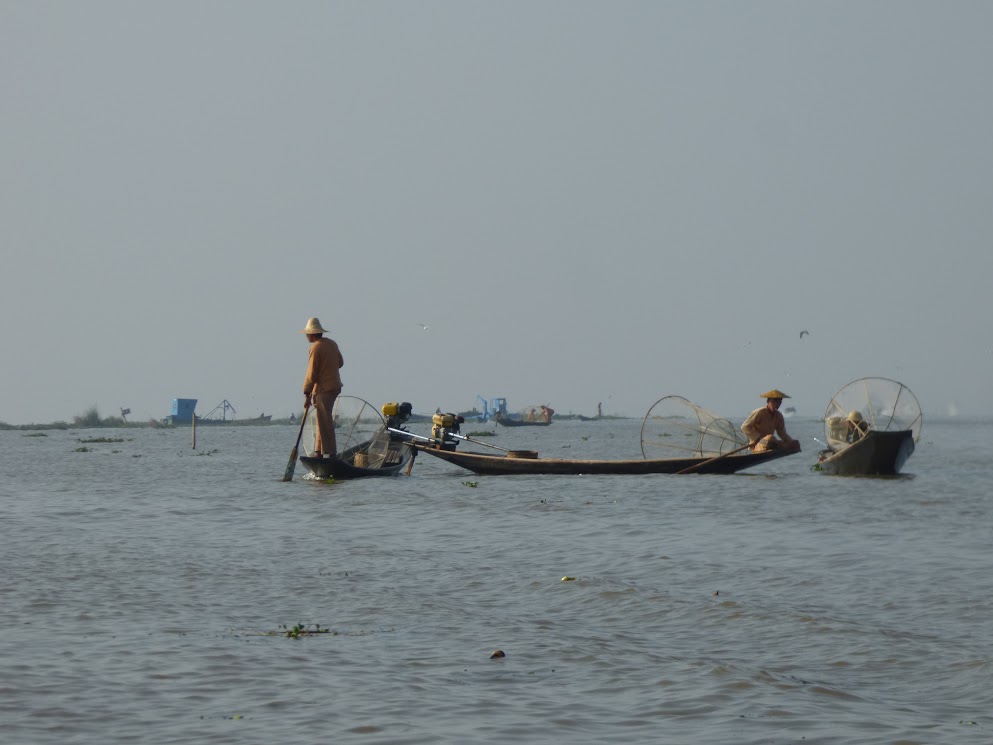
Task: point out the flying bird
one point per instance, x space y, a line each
423 326
804 332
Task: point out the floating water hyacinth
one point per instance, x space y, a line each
305 630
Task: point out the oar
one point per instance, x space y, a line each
291 466
711 460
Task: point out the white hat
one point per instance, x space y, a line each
314 327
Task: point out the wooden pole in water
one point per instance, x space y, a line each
194 431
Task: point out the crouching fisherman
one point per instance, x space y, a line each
762 425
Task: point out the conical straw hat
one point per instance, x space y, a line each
774 393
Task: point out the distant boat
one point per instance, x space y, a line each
532 416
184 413
506 420
219 413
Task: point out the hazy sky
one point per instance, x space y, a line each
584 201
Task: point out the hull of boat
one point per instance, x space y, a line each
503 465
876 454
343 468
506 422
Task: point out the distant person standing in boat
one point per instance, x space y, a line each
322 385
764 424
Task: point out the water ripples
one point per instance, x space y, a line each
148 593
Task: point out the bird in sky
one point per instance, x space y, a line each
804 332
423 326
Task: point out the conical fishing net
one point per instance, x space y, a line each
886 405
677 428
359 428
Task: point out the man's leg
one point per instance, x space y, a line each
323 406
769 442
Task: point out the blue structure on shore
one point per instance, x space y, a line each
182 411
492 408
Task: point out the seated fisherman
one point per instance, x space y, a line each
762 425
857 427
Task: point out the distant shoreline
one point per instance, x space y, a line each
118 423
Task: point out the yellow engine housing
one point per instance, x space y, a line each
444 420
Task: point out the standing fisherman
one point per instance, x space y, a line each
322 385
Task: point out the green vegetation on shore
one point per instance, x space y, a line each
91 419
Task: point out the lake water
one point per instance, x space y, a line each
147 587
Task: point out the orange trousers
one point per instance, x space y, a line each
324 441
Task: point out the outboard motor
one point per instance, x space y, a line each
396 414
445 425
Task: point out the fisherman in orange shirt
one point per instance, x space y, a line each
762 425
322 385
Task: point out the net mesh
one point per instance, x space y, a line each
359 427
886 405
378 448
677 427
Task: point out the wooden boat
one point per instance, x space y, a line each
500 465
354 463
870 427
369 444
878 453
532 416
507 421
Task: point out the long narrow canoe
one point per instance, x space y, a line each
501 465
877 454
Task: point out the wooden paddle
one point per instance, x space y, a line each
291 466
711 460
